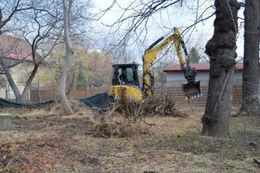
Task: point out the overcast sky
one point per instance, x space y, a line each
161 24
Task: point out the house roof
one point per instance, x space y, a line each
14 48
198 66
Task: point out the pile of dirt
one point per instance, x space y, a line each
118 126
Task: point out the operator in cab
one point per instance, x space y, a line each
123 77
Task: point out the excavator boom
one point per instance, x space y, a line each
192 87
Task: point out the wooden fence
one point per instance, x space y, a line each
177 94
174 93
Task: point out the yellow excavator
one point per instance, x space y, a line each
125 81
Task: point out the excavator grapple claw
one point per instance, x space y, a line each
191 89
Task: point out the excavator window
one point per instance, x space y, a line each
125 74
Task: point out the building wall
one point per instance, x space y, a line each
19 74
2 92
177 78
259 91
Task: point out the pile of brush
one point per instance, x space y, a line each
163 106
125 118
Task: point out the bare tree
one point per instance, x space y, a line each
39 25
67 6
250 93
221 49
8 8
194 56
6 16
50 35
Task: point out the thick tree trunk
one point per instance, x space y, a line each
67 61
250 101
221 49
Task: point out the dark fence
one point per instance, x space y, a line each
41 95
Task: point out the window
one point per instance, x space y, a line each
130 74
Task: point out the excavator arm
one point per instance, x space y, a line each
191 88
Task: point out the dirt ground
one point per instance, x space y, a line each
42 141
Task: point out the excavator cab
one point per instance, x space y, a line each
125 74
125 83
192 87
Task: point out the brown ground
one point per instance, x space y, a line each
45 142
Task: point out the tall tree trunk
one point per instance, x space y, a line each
25 93
67 59
250 101
221 49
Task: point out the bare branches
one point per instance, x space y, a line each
17 7
195 23
142 17
36 25
139 16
